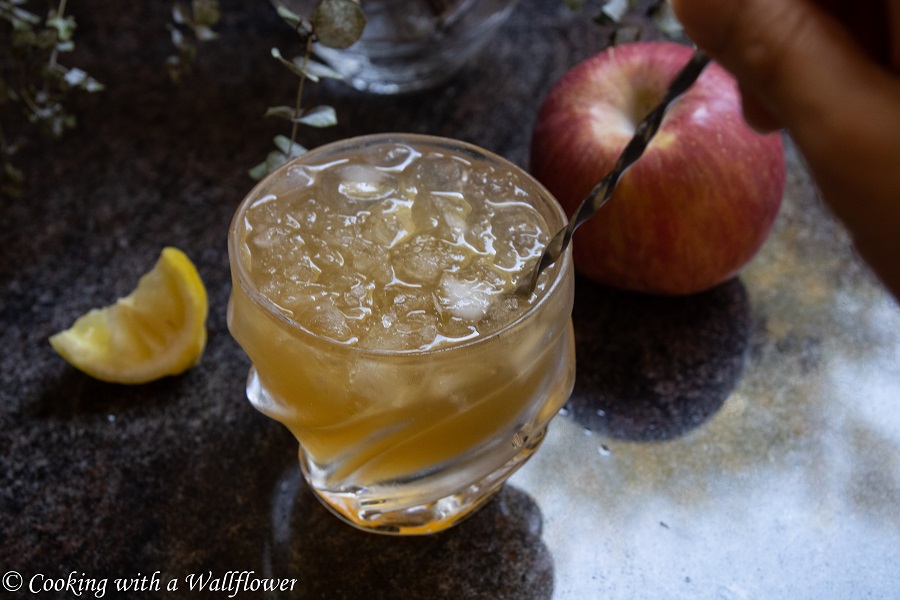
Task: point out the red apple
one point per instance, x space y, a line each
695 208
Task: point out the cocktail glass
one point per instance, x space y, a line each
374 292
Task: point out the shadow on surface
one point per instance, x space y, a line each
75 394
653 368
496 553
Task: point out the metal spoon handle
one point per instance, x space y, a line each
646 129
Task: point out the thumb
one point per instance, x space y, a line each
788 56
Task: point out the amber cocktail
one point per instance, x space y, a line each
374 291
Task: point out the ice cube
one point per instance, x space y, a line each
438 173
302 213
326 257
393 159
294 298
398 330
388 223
268 238
445 212
365 182
465 298
299 176
423 258
503 310
370 260
301 269
480 238
356 302
521 234
327 320
408 299
499 188
418 328
273 289
348 188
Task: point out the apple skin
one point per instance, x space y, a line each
700 202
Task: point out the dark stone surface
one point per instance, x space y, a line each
182 476
178 475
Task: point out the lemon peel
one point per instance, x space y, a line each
158 330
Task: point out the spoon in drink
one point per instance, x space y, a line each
599 196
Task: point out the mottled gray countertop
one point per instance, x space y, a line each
738 444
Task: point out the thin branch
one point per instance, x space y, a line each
297 103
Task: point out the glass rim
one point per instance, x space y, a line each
558 270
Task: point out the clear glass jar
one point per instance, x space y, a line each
410 45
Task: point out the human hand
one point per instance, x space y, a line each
827 71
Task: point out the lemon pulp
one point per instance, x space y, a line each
159 329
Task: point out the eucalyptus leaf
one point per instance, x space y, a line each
75 77
313 69
64 26
319 116
204 33
177 37
301 64
94 86
259 171
291 65
274 160
282 112
286 151
316 70
338 23
665 20
22 19
180 14
288 15
288 148
293 19
615 10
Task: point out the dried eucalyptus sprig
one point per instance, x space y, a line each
189 26
33 81
334 23
615 13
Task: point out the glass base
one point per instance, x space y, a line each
411 508
419 504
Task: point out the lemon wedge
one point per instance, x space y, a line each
159 329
